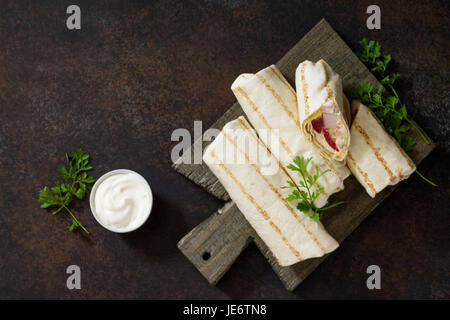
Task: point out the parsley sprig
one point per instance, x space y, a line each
387 107
73 185
303 192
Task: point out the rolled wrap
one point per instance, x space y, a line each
321 108
270 104
375 158
239 160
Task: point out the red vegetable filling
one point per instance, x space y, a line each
330 141
318 126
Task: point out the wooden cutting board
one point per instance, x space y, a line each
215 244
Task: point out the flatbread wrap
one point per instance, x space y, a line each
374 157
321 108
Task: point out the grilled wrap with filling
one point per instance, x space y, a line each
321 108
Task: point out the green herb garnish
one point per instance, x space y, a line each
74 181
303 191
388 108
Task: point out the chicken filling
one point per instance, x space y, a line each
329 128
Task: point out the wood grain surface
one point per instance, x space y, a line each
216 243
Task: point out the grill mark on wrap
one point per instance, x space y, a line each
327 81
272 187
304 89
375 150
261 116
278 98
282 79
257 206
363 174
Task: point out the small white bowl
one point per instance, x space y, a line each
92 201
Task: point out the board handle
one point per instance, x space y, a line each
216 243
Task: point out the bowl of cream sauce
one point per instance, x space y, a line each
121 200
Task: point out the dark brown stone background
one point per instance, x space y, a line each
136 71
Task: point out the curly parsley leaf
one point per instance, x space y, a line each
47 198
75 178
303 191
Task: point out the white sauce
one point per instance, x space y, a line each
123 201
